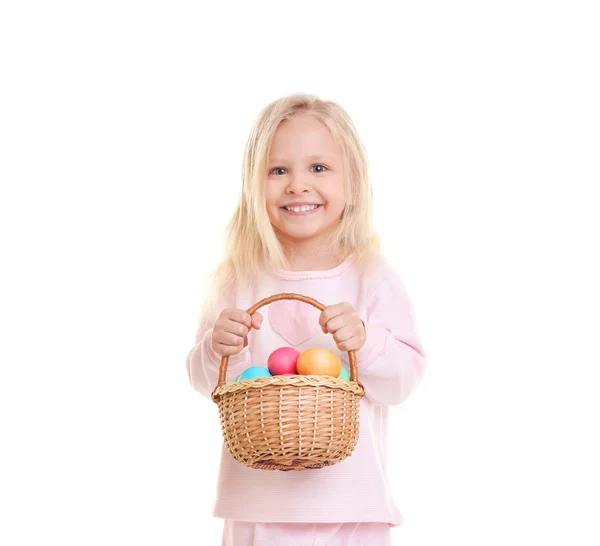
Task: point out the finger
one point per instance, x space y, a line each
337 322
352 344
257 320
333 311
344 334
225 350
235 328
228 339
239 315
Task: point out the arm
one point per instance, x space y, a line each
392 361
203 363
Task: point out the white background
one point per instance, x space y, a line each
122 127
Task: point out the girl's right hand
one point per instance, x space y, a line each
230 331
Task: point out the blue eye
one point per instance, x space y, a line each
284 169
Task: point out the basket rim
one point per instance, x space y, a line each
311 380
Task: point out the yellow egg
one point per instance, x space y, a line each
319 361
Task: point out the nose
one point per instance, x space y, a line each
297 185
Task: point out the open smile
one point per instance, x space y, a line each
302 210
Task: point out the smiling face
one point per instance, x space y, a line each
305 182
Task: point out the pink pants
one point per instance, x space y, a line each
245 533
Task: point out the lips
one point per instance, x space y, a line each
304 207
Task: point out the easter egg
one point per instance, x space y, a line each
254 372
237 378
344 374
319 361
283 361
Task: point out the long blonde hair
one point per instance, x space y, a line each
251 240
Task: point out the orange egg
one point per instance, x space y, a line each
319 361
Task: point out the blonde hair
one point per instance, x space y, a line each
251 240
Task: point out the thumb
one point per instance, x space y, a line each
257 320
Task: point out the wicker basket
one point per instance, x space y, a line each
295 422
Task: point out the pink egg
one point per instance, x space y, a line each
283 361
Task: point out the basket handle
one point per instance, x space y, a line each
287 296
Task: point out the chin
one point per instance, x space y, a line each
300 236
305 235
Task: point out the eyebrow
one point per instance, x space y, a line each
310 158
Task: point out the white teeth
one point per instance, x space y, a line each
303 208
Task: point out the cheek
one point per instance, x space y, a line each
271 205
333 192
335 200
270 197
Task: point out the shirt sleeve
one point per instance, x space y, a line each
392 362
203 363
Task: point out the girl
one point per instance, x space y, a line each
304 224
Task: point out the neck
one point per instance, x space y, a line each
311 257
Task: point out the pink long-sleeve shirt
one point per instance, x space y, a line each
390 366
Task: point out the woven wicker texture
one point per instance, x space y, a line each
296 422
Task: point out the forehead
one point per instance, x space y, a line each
304 137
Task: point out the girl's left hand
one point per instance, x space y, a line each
347 328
